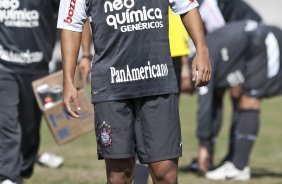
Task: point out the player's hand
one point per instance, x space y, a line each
85 68
70 95
204 160
201 69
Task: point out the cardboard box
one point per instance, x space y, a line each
63 127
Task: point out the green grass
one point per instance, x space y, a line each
82 167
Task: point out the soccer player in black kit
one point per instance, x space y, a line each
27 37
216 14
245 54
26 44
134 88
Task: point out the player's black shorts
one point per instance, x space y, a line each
263 77
148 126
260 75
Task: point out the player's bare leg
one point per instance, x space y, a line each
120 171
164 172
249 103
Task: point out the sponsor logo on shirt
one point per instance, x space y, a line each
20 57
12 16
68 19
122 16
135 74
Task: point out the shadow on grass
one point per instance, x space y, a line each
262 172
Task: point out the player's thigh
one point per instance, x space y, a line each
10 132
157 128
120 170
165 171
9 92
114 126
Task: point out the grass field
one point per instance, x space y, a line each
82 167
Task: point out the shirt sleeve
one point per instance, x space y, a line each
72 15
182 6
211 15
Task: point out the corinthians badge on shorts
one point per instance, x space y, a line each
103 134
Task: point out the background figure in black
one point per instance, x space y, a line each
26 45
233 10
25 49
216 14
246 55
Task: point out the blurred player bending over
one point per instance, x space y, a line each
245 54
216 14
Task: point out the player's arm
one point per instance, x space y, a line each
70 44
193 23
205 130
201 63
72 26
85 61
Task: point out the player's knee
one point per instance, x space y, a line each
169 177
119 171
247 102
164 172
124 177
